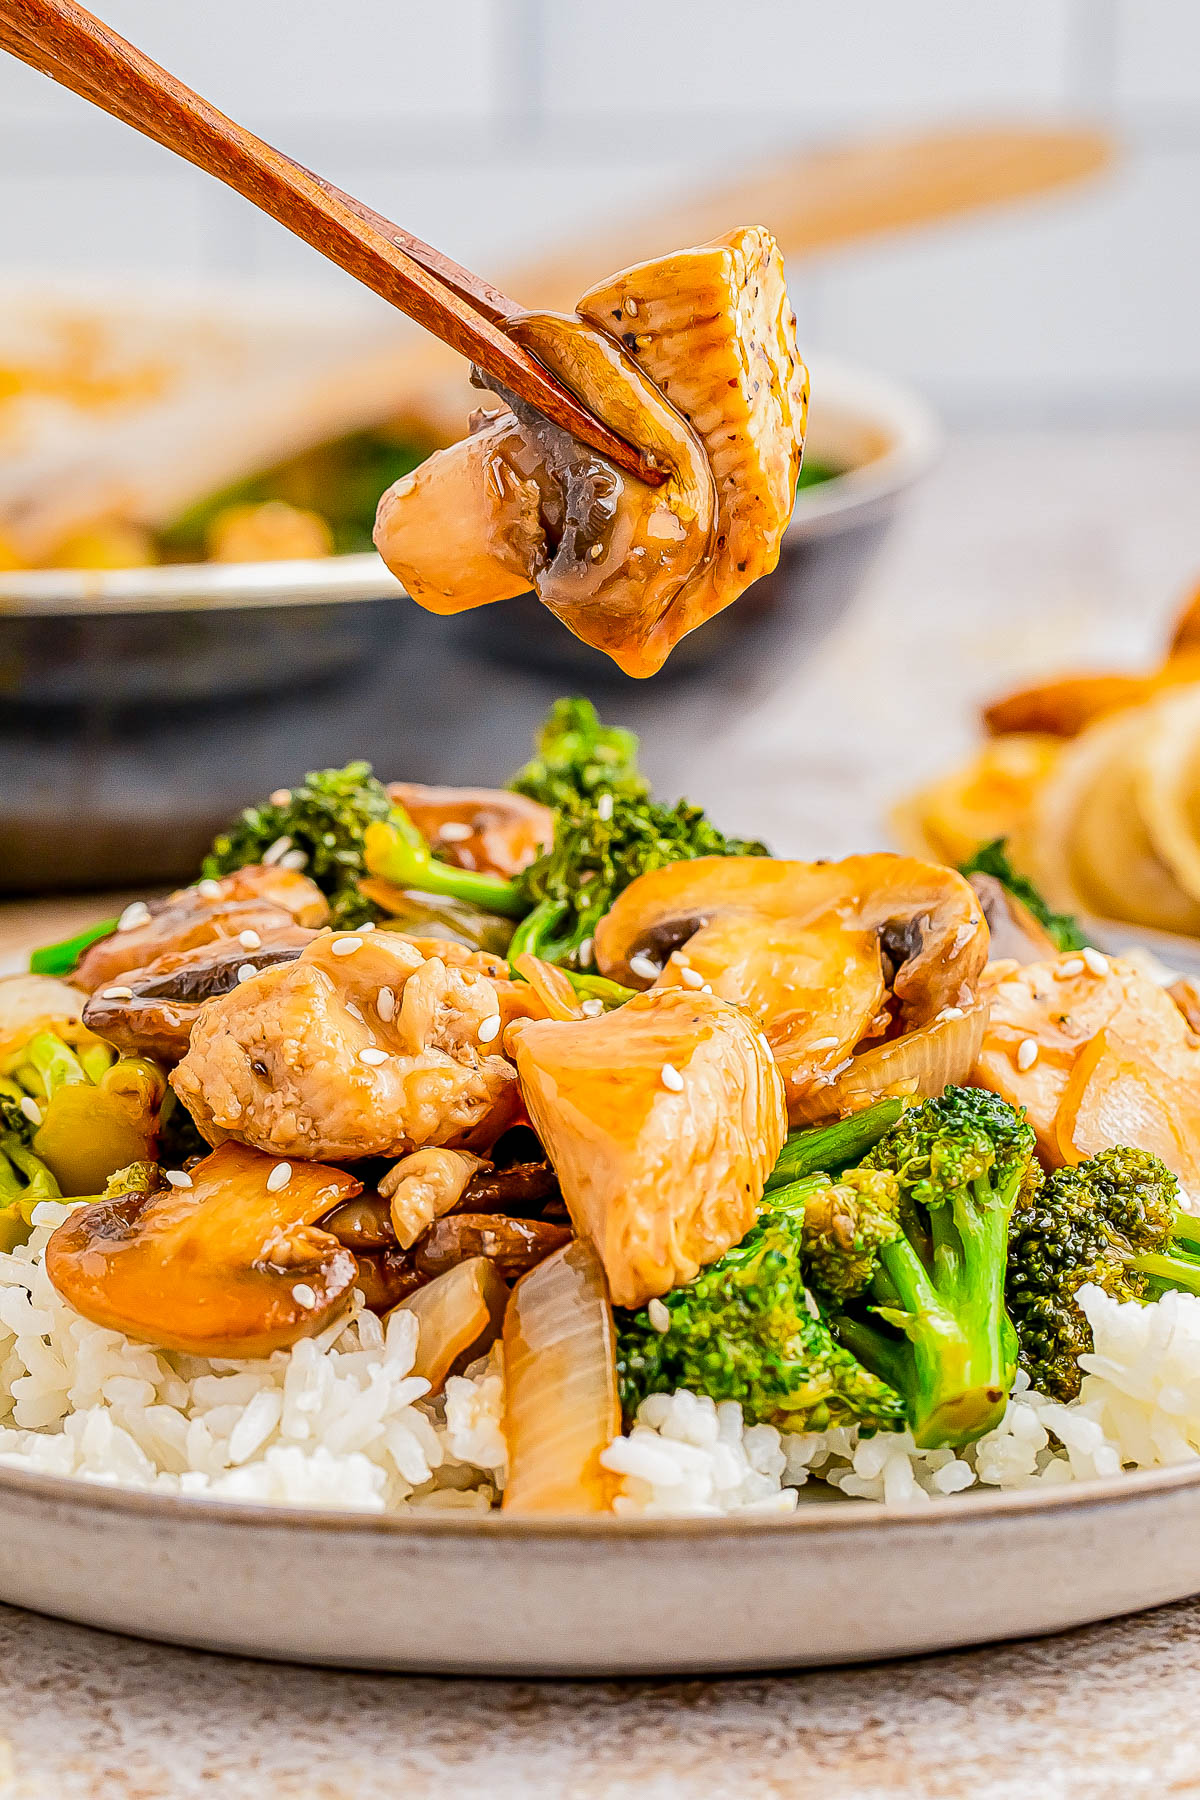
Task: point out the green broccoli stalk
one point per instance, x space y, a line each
993 859
1115 1221
600 845
748 1329
324 819
836 1146
962 1163
576 757
395 851
61 958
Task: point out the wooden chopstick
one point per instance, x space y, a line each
72 47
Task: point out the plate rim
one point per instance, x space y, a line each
816 1518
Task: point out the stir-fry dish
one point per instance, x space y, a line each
693 358
1093 782
548 1148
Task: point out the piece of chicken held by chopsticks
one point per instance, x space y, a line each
693 358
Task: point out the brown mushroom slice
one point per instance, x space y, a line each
812 949
385 1277
256 899
663 1120
363 1224
152 1011
513 1245
459 1314
231 1266
521 1190
1014 935
478 828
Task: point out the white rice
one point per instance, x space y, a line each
341 1420
1139 1408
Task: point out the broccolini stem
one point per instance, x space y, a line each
61 958
1167 1271
829 1148
535 935
395 851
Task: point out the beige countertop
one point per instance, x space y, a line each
1024 551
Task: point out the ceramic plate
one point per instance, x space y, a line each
843 1581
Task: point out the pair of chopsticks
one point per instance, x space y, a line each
79 51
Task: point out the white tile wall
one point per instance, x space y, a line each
492 126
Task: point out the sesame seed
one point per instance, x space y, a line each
281 797
596 552
489 1028
645 967
346 946
949 1012
591 1009
372 1057
249 940
369 926
137 913
294 860
1027 1053
1074 966
825 1043
385 1004
658 1315
681 957
117 993
707 988
303 1295
671 1078
604 807
1094 961
586 951
210 889
177 1178
247 972
355 1012
279 1177
455 832
691 978
631 306
31 1109
273 852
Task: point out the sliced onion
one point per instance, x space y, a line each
561 1408
461 1310
923 1062
550 985
1114 1096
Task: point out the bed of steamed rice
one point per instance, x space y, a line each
342 1421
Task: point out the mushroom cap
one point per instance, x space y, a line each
226 1267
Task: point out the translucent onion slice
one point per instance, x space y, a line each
560 1386
923 1062
550 985
459 1311
1116 1096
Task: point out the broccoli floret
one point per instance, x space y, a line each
600 845
325 819
940 1333
993 859
748 1329
1114 1220
845 1221
577 756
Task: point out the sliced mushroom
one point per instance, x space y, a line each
512 1245
255 899
231 1265
521 1190
478 828
1014 935
423 1186
152 1011
363 1224
828 956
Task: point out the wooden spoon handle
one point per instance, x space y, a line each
79 51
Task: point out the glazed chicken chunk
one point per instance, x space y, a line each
368 1044
663 1120
693 358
